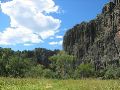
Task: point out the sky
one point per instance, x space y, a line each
29 24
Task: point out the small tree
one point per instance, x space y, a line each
35 72
63 64
47 73
84 71
17 67
112 73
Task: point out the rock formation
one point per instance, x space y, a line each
97 41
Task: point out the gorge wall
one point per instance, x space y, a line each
97 41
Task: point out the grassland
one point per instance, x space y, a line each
49 84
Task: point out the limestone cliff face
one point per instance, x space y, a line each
97 41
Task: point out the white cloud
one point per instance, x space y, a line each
47 34
31 20
27 44
51 38
53 43
56 43
59 37
61 42
18 36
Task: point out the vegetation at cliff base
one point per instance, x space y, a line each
42 63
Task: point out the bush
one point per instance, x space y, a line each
84 71
47 73
63 65
35 72
112 73
118 72
40 71
16 67
100 73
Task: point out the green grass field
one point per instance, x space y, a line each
49 84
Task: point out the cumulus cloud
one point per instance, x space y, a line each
27 44
51 38
59 37
56 43
31 21
18 36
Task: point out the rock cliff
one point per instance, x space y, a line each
97 41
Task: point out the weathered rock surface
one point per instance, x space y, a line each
97 41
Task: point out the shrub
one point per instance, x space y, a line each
63 65
47 73
100 73
35 72
84 71
110 74
118 72
16 67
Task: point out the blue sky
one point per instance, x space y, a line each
69 13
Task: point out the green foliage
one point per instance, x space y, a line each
39 71
14 67
24 63
47 73
112 73
84 71
35 72
118 72
63 65
45 63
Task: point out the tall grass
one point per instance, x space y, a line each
50 84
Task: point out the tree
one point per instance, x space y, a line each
16 67
35 71
112 73
41 55
62 64
84 70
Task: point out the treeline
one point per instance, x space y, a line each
19 63
55 64
66 66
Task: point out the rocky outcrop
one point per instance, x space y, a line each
97 41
